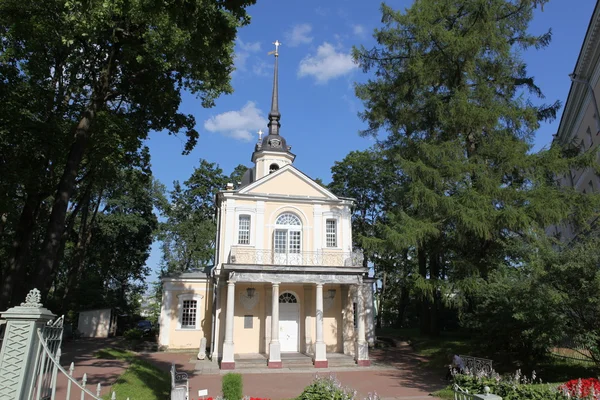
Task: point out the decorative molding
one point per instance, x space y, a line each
249 302
33 299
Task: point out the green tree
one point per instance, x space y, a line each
365 177
189 232
448 102
99 65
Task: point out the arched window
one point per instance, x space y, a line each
288 219
287 297
287 239
273 167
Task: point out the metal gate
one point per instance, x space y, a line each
47 366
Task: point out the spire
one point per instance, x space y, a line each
274 114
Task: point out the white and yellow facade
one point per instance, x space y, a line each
286 278
580 122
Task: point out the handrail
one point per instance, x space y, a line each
325 257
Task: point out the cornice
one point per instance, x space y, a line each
586 68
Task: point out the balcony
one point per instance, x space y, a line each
250 256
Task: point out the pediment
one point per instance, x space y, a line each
288 181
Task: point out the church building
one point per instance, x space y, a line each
286 278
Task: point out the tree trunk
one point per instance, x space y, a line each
381 298
56 223
85 237
434 326
424 300
402 305
16 272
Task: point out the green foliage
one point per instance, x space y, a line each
454 113
189 231
509 387
83 84
133 334
326 388
232 386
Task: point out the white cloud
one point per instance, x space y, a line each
242 53
359 30
239 124
251 47
261 68
299 35
326 64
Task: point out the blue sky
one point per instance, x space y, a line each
316 76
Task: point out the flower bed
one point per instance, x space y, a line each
581 389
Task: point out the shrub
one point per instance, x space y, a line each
133 334
511 387
231 386
326 388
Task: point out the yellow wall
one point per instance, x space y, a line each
189 338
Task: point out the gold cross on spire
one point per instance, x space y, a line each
277 43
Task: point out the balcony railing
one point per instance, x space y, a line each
248 255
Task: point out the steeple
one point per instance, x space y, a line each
274 114
271 151
273 141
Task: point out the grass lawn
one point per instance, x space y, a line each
141 380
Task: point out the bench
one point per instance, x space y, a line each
477 365
179 384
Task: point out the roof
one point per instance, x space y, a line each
586 64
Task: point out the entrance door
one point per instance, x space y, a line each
289 315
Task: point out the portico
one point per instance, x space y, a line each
298 316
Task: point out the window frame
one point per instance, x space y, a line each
188 297
239 220
335 233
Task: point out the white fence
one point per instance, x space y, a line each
30 356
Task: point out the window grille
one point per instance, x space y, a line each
188 315
287 297
331 232
288 219
244 229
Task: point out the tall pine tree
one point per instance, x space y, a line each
453 107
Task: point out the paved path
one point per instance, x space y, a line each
396 373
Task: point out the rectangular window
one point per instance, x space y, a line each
244 229
331 232
591 187
355 315
248 321
188 314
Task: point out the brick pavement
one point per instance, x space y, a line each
395 374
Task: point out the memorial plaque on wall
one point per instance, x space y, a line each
248 321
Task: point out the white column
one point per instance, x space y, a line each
275 346
362 347
308 320
228 362
320 349
268 305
